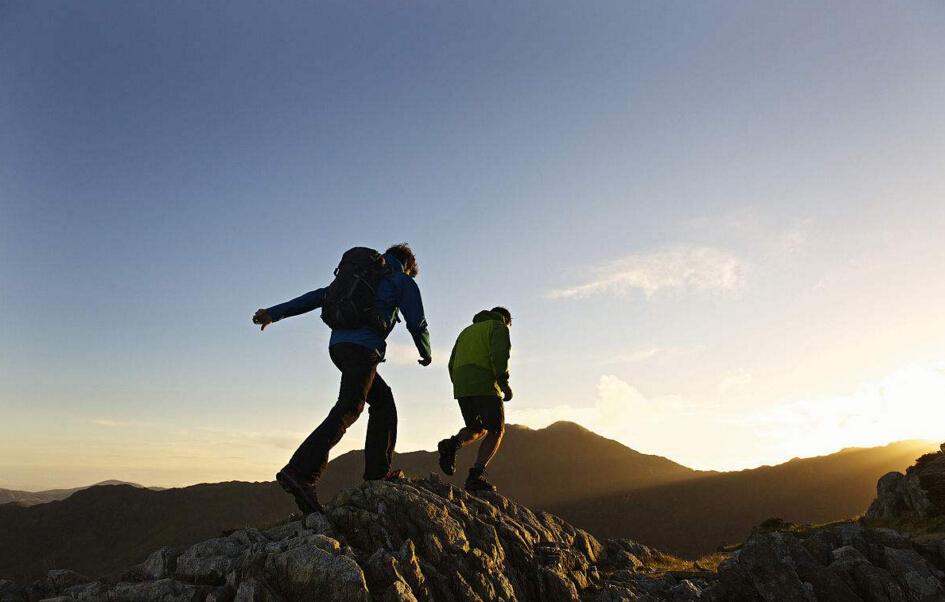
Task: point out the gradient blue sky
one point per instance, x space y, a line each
718 224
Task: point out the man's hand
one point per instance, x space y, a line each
425 361
262 317
506 391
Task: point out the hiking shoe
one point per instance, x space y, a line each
395 474
299 487
447 450
476 484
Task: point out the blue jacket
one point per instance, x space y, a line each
396 292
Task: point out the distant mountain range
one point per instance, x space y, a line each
593 482
31 498
694 517
103 529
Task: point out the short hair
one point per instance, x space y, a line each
404 254
504 313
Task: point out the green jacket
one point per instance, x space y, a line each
480 358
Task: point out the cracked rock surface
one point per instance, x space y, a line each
412 541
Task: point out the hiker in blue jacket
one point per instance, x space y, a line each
357 353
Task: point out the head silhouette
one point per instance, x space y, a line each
404 254
506 314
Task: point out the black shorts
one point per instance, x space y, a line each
483 412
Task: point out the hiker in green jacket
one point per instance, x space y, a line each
479 369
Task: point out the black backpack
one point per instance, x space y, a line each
349 299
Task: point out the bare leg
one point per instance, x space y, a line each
488 447
467 435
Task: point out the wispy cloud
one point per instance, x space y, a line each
734 382
683 268
663 354
788 243
108 422
634 357
285 440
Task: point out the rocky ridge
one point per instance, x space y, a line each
411 541
843 563
426 541
103 530
917 495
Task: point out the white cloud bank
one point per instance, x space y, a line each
683 268
621 411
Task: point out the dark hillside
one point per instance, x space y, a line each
107 528
693 518
530 465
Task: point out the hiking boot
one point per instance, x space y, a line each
300 488
477 484
447 450
395 474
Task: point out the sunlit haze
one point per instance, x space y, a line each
718 226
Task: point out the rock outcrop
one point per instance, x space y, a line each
852 561
413 541
915 496
844 563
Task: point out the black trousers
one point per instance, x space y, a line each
360 384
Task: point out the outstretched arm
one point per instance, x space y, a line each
412 306
295 307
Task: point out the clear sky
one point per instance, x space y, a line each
718 225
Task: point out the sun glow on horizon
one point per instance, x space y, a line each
908 404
